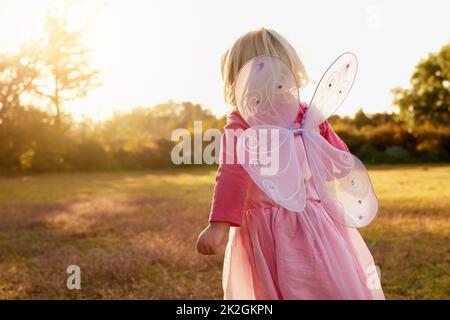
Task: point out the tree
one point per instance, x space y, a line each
67 72
428 99
361 119
17 75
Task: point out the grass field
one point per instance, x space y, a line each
133 234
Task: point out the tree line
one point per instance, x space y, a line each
37 135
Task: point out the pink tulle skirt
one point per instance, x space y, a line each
279 254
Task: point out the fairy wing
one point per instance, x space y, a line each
332 90
269 155
266 92
341 180
266 95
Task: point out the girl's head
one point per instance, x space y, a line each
258 43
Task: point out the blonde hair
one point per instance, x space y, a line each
258 43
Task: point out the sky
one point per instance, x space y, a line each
150 52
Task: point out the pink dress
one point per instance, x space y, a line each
273 253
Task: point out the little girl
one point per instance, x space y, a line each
273 253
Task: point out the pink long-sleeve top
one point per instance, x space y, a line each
233 183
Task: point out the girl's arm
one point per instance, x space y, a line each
328 133
230 193
230 190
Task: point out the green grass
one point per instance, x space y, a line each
133 234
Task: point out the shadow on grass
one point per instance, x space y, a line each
140 247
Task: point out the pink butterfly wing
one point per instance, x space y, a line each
266 92
332 90
342 182
269 155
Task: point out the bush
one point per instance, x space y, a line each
31 141
398 153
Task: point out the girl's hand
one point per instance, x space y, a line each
211 238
